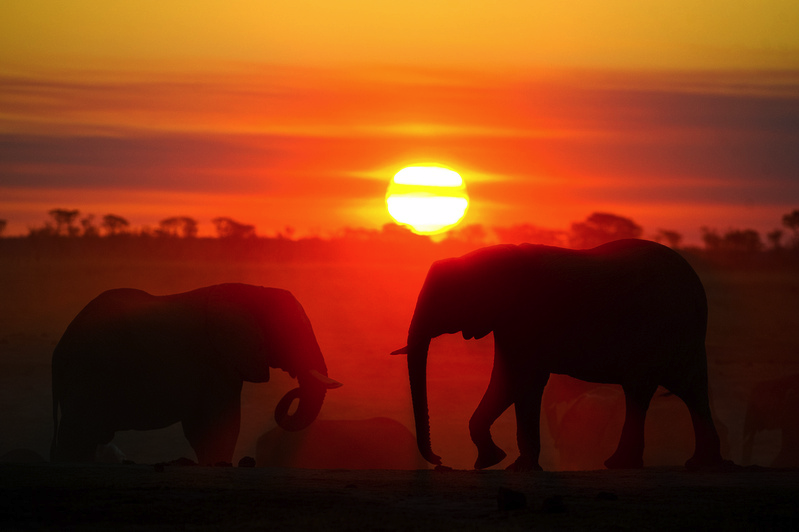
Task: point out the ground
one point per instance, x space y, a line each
138 497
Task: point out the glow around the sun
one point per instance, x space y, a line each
429 199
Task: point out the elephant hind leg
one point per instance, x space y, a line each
630 451
707 451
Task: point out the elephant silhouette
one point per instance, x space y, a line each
630 312
134 361
774 405
375 443
584 420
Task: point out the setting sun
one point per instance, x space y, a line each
429 199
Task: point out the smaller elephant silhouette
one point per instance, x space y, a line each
133 361
584 420
376 443
774 405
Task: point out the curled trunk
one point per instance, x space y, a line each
311 395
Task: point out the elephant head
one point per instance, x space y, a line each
452 300
255 328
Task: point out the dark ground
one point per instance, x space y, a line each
137 497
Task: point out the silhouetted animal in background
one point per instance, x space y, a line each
584 420
630 312
131 360
774 404
376 443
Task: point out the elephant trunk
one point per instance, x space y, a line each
417 374
311 395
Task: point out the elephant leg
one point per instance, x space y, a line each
707 450
630 451
78 443
528 396
213 431
495 401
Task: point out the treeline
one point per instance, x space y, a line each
68 223
176 237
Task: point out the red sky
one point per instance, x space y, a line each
544 129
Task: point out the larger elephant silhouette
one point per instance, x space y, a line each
630 312
134 361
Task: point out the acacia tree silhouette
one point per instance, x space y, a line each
64 220
114 224
673 239
791 221
229 228
775 239
736 241
600 228
178 226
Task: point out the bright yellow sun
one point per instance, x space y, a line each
430 199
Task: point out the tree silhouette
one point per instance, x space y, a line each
743 241
189 227
177 226
114 224
791 221
64 220
3 224
168 227
733 241
473 234
89 230
673 239
229 228
526 233
775 238
600 228
711 239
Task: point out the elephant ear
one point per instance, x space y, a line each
488 296
236 328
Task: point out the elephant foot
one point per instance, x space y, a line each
619 461
523 464
489 457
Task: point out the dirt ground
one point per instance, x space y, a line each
138 497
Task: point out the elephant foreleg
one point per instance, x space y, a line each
630 451
76 443
495 401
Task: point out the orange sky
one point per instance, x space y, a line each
299 115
